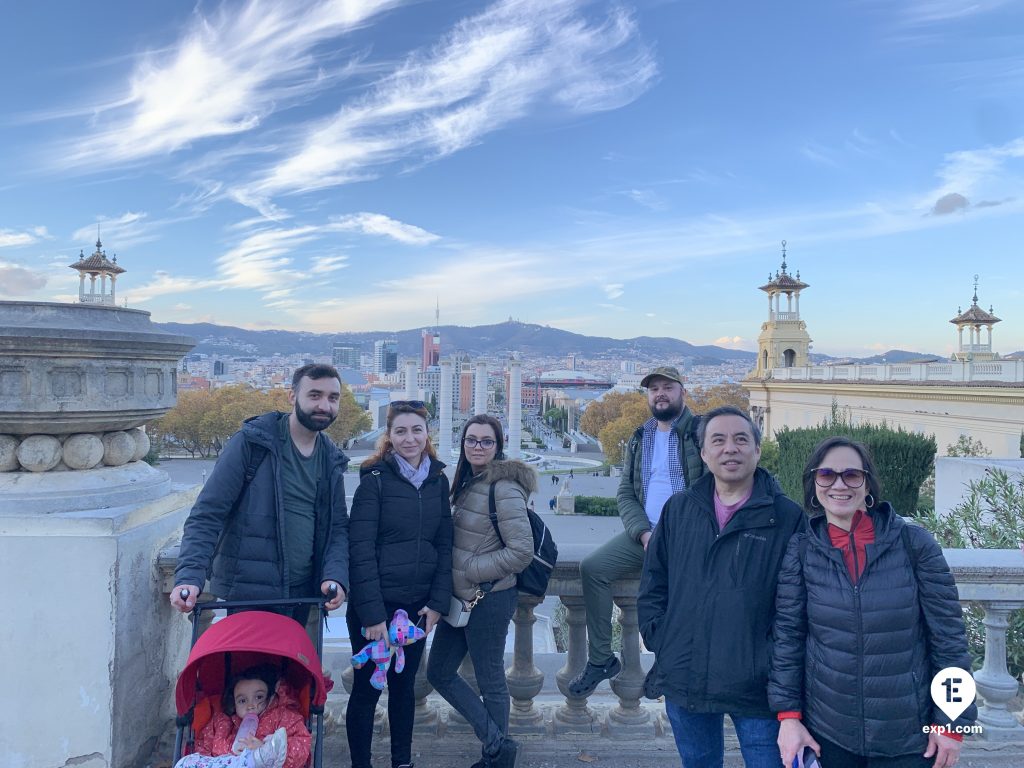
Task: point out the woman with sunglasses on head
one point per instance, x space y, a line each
400 553
867 613
485 560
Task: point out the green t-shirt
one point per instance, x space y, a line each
299 479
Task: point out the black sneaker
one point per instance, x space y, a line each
507 754
586 681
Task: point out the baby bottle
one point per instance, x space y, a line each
245 730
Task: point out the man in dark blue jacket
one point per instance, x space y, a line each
707 596
285 531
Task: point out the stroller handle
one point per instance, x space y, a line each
280 602
332 592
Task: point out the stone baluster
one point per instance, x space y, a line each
426 721
524 679
574 716
995 684
346 682
629 719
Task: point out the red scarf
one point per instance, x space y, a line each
853 543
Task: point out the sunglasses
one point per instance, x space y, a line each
416 404
826 478
487 443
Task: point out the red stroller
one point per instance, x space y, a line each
243 640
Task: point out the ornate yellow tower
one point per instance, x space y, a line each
973 319
783 342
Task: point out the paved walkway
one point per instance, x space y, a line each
560 751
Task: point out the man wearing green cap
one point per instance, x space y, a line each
662 458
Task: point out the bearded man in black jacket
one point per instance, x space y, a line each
707 596
271 520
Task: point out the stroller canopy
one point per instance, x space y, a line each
250 638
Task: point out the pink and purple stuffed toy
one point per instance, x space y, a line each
401 632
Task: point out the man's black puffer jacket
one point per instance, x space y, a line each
707 597
400 542
247 544
858 661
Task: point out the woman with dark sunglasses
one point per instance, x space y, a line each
400 553
486 558
867 613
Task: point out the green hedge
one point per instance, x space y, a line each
598 506
903 459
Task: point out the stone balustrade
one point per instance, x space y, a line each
1009 371
991 578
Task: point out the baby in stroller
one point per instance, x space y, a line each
281 686
281 739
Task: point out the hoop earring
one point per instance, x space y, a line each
869 501
814 502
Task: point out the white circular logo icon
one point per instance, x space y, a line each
953 691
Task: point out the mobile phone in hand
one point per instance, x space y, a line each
806 759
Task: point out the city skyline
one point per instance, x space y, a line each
611 169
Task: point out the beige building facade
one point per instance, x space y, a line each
992 414
976 393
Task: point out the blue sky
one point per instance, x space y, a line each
609 168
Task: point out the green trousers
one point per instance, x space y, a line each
618 558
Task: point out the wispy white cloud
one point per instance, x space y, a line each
647 198
898 138
324 264
16 280
489 71
262 260
989 175
924 12
458 279
613 290
379 224
992 171
735 342
12 239
163 284
819 154
227 73
130 228
271 259
860 142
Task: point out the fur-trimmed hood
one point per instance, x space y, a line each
511 469
479 555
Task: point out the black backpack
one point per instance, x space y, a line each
533 580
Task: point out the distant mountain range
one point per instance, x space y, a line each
893 356
511 336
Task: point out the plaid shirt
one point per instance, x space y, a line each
675 466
